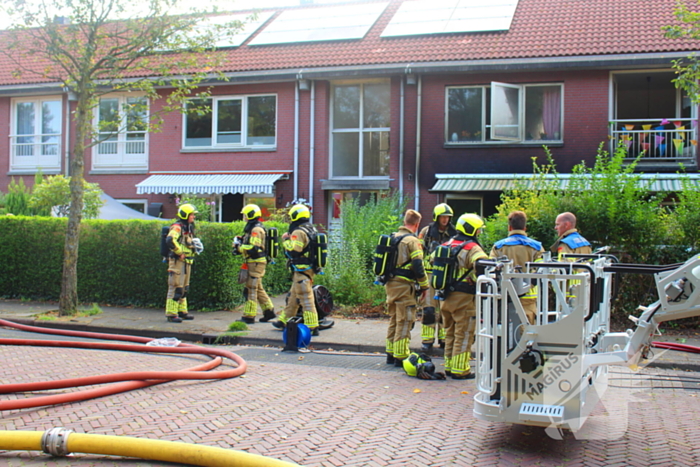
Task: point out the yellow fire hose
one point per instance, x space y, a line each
60 442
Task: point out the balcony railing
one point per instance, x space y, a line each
35 151
122 147
656 140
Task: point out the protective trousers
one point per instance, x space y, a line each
254 292
401 304
178 286
432 320
530 308
302 294
459 316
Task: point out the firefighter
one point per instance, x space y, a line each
401 289
569 241
433 235
182 245
459 307
252 247
295 243
520 249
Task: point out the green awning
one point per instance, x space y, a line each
501 182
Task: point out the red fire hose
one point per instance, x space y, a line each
676 346
128 380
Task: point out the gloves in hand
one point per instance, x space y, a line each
198 245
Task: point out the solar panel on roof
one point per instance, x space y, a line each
321 24
236 39
450 16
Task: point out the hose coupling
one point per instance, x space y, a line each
55 441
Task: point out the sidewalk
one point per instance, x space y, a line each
356 335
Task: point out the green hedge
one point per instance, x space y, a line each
120 263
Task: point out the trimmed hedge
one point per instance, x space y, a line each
120 263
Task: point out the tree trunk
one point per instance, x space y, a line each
68 302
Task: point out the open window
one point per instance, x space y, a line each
504 112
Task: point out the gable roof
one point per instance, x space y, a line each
541 29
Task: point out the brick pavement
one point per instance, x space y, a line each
310 409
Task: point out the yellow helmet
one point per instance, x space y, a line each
184 211
442 209
251 211
299 211
469 224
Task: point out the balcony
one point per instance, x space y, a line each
124 151
33 152
660 143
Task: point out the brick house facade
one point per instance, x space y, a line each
577 79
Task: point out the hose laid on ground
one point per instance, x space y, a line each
129 380
61 443
676 346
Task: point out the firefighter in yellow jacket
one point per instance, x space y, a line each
182 245
295 243
459 306
433 235
252 247
520 249
401 290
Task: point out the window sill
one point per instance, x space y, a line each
355 184
117 171
191 150
34 171
505 144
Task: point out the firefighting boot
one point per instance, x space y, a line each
185 316
268 315
247 319
389 359
174 319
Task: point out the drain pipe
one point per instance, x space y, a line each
61 442
312 144
296 140
418 133
401 130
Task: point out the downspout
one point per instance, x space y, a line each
296 140
401 130
66 148
312 144
418 132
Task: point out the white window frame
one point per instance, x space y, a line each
36 160
359 130
495 139
135 201
244 122
123 158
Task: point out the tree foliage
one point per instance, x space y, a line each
687 69
105 46
53 194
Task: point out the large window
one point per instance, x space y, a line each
122 132
361 125
231 121
36 134
504 112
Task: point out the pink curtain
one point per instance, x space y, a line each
551 113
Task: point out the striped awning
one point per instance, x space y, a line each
209 184
501 182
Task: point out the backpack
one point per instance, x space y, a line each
444 278
272 245
385 257
164 250
317 248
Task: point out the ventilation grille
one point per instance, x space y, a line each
539 412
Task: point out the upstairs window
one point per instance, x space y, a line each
361 126
122 132
35 141
235 121
504 112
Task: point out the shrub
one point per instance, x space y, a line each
17 198
53 193
120 263
348 275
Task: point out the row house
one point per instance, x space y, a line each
447 100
